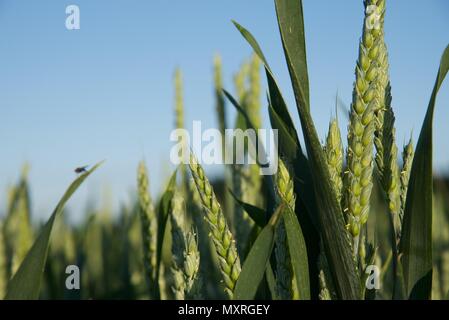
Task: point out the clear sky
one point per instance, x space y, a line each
69 98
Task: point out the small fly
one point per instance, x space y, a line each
80 170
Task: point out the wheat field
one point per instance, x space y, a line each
356 217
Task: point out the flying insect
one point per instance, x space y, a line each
80 170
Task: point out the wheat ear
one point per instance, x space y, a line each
179 103
284 270
361 128
334 155
219 98
384 82
333 150
220 234
327 289
186 257
148 222
253 109
407 158
385 135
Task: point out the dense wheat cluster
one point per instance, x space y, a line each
316 229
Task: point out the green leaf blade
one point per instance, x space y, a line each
298 253
336 245
255 265
25 284
416 238
256 214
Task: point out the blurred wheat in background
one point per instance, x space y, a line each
311 231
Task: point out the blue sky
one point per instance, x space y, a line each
69 98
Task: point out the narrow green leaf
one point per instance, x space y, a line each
290 149
416 239
269 274
256 213
268 179
276 99
252 41
291 25
336 245
256 262
399 284
241 111
298 253
281 120
288 145
25 284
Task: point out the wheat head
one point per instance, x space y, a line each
148 220
220 234
361 128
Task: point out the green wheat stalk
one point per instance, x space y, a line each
209 262
390 176
284 270
407 158
327 289
243 181
18 231
240 82
219 98
361 129
384 83
333 149
385 140
253 102
148 220
253 107
220 234
334 155
179 103
186 257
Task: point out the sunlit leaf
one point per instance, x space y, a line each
416 238
26 282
